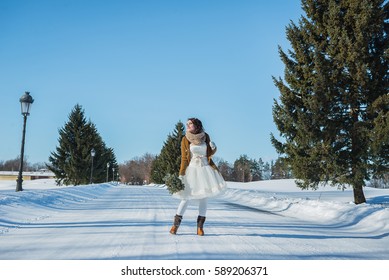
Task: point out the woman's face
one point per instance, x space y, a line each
190 126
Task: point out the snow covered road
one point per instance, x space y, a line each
132 222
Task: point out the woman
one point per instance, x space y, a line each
198 173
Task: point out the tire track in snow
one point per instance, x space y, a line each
242 230
262 237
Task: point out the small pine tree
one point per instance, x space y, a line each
280 170
226 170
72 161
242 169
335 79
256 170
169 160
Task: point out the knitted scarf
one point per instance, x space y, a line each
196 139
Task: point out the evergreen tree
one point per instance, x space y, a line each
380 139
226 170
157 171
256 170
72 160
169 160
280 170
266 171
335 79
242 169
105 155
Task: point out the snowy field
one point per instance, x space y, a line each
258 220
266 220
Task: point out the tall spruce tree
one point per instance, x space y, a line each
72 160
169 160
333 108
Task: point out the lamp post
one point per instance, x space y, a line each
25 101
113 174
107 170
92 153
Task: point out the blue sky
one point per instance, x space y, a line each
139 67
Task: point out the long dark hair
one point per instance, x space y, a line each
197 124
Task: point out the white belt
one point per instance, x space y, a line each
198 160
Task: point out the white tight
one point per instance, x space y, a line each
203 203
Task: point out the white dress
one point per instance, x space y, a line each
200 180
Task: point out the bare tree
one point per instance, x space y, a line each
137 170
13 165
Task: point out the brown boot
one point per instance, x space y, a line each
176 224
200 225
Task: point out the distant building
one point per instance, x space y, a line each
27 175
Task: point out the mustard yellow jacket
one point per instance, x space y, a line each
186 156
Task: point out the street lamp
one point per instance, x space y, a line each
107 170
25 101
113 174
92 153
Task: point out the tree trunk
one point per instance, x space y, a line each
359 196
